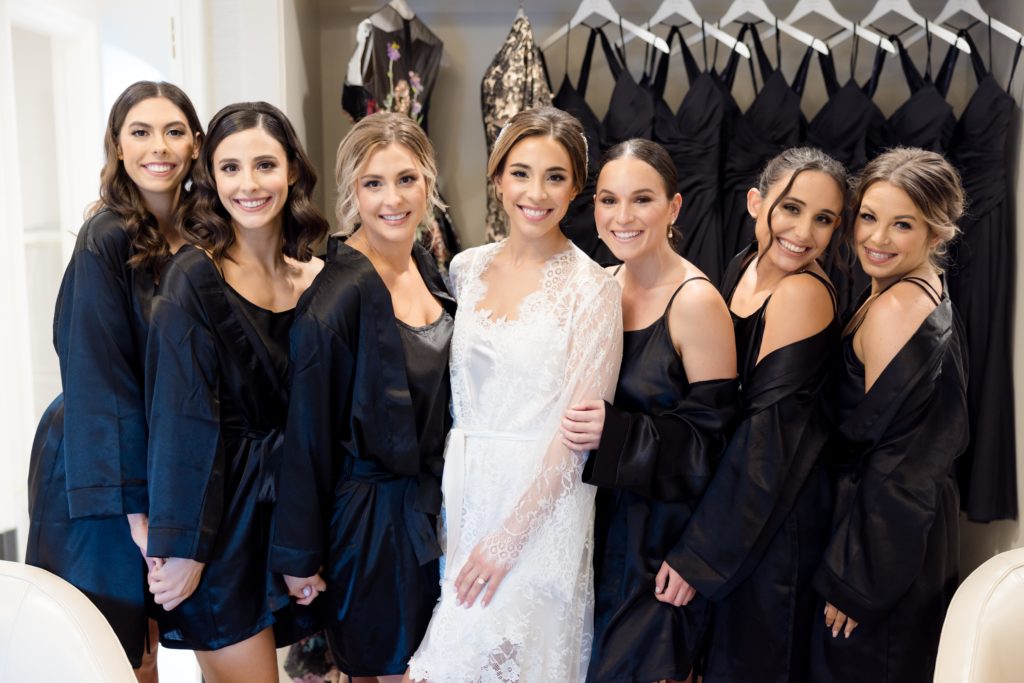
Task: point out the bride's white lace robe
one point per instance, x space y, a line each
509 481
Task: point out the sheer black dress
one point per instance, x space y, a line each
88 464
982 267
360 484
893 559
661 442
216 372
755 538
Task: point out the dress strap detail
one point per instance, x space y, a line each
829 287
681 285
932 293
1016 58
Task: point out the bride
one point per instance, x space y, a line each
539 328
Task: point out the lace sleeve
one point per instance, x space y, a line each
592 369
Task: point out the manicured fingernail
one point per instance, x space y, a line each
835 633
658 589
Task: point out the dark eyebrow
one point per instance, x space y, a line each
143 124
865 206
801 202
527 167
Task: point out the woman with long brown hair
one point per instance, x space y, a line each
216 373
87 478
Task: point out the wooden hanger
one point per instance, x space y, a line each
972 8
686 10
603 9
825 8
903 8
760 10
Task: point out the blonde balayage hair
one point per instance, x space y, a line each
370 134
931 182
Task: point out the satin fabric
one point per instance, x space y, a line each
661 441
892 562
360 488
757 535
88 462
216 403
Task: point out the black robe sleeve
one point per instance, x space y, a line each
186 462
322 373
908 430
667 457
104 410
783 428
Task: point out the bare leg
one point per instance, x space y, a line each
251 661
147 673
377 679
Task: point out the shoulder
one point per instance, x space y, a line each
334 299
104 234
697 301
891 321
805 293
189 274
799 308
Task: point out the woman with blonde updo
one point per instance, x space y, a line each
360 483
891 565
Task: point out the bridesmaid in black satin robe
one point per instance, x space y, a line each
658 444
890 569
87 476
756 536
364 443
216 393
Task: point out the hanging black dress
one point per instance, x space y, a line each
853 130
660 444
981 273
893 559
773 123
88 464
695 139
360 482
578 224
925 120
757 535
216 368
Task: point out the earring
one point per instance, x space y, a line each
669 235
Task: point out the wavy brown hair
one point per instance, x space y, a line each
119 194
204 220
544 121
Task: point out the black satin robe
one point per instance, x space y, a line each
660 444
757 535
88 464
892 563
359 495
216 397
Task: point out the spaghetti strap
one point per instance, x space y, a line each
617 269
932 293
681 285
829 287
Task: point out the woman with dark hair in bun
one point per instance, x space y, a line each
892 564
654 449
216 391
87 477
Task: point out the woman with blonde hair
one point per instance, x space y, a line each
892 563
360 488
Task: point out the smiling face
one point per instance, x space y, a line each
535 185
157 147
803 220
631 208
391 194
251 171
891 234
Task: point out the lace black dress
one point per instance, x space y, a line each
662 439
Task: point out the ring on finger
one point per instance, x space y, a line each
481 581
